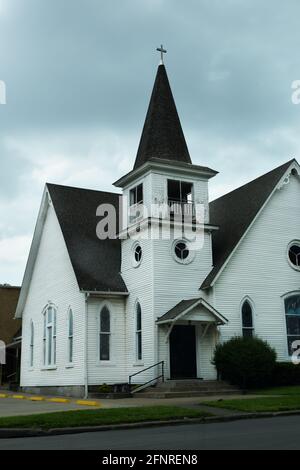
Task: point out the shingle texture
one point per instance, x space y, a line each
162 135
96 263
178 309
234 213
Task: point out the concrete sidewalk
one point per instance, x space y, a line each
20 407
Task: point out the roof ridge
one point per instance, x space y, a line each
235 212
83 189
255 179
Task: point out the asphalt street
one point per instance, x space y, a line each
269 433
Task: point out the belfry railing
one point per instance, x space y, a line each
161 375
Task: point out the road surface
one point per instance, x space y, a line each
268 433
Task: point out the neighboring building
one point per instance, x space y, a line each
10 333
97 311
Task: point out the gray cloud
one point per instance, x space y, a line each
79 75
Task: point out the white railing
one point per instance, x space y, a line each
181 207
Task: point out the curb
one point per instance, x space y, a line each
36 398
8 433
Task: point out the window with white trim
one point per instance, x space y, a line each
292 315
105 334
247 319
294 254
49 336
31 343
138 332
70 336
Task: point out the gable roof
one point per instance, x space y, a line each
184 306
96 263
234 212
162 135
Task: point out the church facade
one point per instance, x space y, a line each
99 310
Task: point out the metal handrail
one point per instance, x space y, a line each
161 376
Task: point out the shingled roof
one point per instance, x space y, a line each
96 263
234 213
162 135
186 305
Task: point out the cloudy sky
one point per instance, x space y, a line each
79 74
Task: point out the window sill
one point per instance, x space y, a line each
138 364
49 368
70 366
31 369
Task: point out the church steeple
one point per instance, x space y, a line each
162 135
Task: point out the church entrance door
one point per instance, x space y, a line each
183 364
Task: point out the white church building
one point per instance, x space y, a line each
98 311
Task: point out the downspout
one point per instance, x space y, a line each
86 381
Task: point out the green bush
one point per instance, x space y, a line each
104 388
286 373
245 362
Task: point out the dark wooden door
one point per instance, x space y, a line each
183 363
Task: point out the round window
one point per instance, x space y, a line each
181 252
294 254
137 252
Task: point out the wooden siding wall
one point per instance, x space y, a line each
53 280
260 270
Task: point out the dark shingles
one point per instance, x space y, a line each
162 135
96 263
178 309
186 304
234 213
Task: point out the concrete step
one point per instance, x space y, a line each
189 385
188 388
185 394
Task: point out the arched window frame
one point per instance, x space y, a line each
290 336
138 321
49 335
31 345
247 328
105 336
70 336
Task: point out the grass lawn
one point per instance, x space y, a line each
291 390
278 399
273 403
100 416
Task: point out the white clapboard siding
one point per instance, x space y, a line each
114 370
139 282
53 280
260 270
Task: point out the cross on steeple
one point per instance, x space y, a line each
162 52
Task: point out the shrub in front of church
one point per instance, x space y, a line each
245 362
104 388
286 373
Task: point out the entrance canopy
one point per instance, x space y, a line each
192 310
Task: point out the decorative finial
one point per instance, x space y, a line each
162 52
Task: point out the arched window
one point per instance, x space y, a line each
105 334
138 332
292 315
70 337
49 336
247 319
31 343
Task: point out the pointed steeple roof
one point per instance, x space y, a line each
162 135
